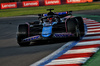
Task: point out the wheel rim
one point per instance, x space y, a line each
78 32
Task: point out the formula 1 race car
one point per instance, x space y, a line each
50 25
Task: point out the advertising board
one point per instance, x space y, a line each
52 2
8 5
72 1
78 1
30 3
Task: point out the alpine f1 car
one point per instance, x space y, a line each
50 25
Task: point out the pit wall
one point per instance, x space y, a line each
39 3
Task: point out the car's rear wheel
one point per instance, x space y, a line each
22 32
81 25
73 27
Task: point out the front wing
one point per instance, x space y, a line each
55 35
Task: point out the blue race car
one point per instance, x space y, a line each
50 25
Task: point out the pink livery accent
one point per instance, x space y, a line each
28 28
66 25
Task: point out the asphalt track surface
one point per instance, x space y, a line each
11 54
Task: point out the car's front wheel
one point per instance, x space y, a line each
22 32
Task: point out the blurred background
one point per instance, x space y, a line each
5 1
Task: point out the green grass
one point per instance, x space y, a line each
94 61
42 9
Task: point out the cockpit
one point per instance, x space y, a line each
49 21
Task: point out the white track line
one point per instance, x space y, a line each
93 26
86 50
88 43
68 61
93 29
89 33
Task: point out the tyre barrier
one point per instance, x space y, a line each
76 53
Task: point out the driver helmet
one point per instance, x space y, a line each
47 20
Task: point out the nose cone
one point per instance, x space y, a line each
46 31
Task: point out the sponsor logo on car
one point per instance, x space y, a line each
63 34
31 38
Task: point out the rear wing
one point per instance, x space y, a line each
61 14
65 13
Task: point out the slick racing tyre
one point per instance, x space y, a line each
34 23
22 33
73 27
81 25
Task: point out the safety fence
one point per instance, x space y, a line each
39 3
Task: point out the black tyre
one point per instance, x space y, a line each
81 25
73 27
22 33
34 23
